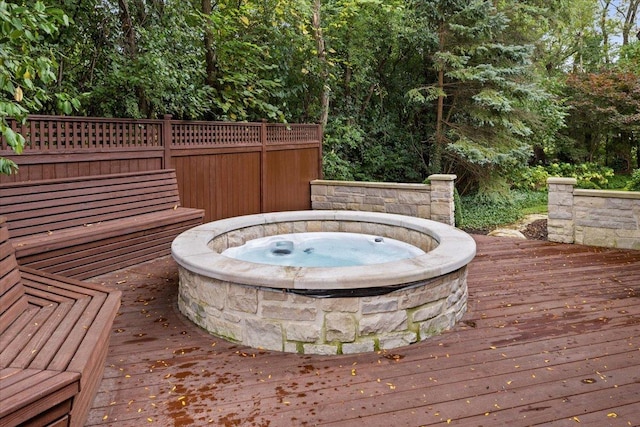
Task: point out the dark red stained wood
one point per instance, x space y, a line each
551 334
26 392
228 169
54 338
84 227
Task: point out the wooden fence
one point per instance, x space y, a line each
228 169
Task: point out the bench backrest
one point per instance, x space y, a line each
45 206
13 300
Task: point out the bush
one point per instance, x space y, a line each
588 175
634 183
531 178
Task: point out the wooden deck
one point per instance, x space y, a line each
551 336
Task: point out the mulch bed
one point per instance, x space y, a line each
537 230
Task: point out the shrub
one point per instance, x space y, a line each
530 178
588 175
634 183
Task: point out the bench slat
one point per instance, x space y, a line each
85 226
86 200
54 338
27 392
26 345
88 260
83 213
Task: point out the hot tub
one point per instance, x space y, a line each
324 310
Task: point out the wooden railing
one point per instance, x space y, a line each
228 169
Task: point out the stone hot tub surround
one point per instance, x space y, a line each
323 310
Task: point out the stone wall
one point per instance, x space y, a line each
430 201
284 321
593 217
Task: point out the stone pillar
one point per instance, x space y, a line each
561 224
442 204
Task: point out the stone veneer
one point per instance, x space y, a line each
275 319
266 306
430 201
593 217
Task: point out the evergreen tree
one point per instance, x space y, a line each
482 87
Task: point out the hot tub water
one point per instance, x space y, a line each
323 249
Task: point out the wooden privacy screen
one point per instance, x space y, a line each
227 169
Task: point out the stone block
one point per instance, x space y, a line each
330 226
291 347
351 227
213 293
348 305
321 206
358 347
413 197
424 211
428 311
288 312
318 190
383 323
381 304
262 334
340 327
300 227
285 227
275 295
371 200
560 199
401 339
418 297
224 329
303 332
435 326
396 208
320 349
314 226
242 298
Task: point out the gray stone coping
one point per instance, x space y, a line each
562 181
614 194
455 249
394 185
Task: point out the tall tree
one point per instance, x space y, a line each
483 92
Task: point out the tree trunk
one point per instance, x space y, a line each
322 56
211 60
604 18
437 149
629 20
131 50
127 29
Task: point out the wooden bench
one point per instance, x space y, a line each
54 337
87 226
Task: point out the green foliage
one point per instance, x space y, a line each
457 214
530 178
634 182
26 66
588 175
618 182
491 109
480 212
415 86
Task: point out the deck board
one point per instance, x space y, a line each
551 336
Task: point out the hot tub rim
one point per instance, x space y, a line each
455 250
